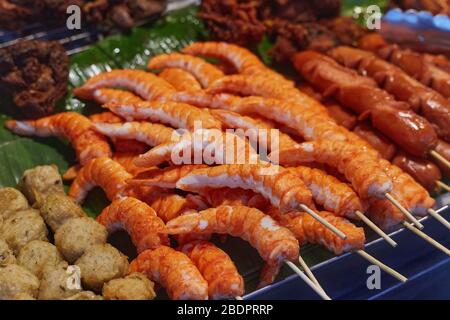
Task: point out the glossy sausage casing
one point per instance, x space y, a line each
379 142
423 171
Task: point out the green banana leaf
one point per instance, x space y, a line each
127 50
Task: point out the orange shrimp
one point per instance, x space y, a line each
224 280
203 71
175 114
259 86
167 204
262 138
174 271
281 187
106 117
330 193
407 191
144 84
105 95
241 59
361 167
208 146
138 219
273 242
308 230
103 172
76 128
120 145
126 160
180 79
164 178
152 134
168 177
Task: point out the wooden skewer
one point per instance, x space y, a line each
442 185
403 210
323 221
440 158
382 266
308 271
427 238
239 298
308 281
375 228
438 217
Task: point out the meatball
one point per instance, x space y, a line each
11 200
58 283
22 296
23 227
57 208
101 263
77 234
135 286
39 182
37 254
15 279
85 295
6 254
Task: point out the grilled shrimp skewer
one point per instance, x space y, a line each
76 128
371 178
144 84
174 271
274 243
203 71
180 79
282 188
177 115
103 172
152 134
138 219
224 280
105 95
208 146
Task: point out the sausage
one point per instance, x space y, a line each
377 140
342 116
423 100
423 171
443 148
409 130
417 65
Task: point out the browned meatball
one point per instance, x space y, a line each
39 182
57 208
37 254
23 227
135 286
11 200
58 283
6 254
85 295
99 264
15 279
77 234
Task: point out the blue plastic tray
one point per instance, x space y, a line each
345 277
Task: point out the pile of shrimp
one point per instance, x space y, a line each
304 159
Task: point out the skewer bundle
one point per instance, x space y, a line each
274 207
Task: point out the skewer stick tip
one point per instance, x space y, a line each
442 185
375 228
427 238
384 267
403 210
323 221
308 281
440 158
439 218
